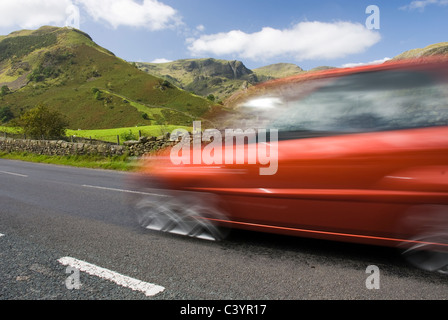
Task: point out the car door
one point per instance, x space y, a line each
339 145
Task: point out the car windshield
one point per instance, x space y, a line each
363 102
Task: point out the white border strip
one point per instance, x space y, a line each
148 289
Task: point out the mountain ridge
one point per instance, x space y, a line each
440 48
216 78
65 69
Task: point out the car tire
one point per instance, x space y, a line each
427 248
191 214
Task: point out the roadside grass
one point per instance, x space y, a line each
120 163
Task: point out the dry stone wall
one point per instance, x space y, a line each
61 148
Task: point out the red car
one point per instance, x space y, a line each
356 154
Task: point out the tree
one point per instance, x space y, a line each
4 90
42 122
6 114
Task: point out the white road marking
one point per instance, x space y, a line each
123 190
148 289
1 235
14 174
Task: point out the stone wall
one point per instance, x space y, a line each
60 147
147 144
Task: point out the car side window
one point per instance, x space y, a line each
362 102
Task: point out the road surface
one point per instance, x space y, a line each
69 233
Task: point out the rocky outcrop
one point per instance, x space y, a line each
216 68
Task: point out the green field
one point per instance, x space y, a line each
110 135
12 130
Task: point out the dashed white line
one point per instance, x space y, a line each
14 174
148 289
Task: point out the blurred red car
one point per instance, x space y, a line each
362 157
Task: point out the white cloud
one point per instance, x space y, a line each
357 64
28 14
421 4
304 41
150 14
161 60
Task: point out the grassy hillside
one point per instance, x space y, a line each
64 69
278 70
431 50
204 77
220 78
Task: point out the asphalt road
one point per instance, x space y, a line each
52 212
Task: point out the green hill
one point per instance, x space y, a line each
220 78
431 50
278 70
204 77
64 69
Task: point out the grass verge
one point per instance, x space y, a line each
121 163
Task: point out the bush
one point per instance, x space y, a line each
6 114
4 90
98 95
40 73
42 122
126 136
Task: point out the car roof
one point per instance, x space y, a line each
417 63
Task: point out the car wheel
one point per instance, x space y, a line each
428 247
185 213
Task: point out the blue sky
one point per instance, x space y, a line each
258 32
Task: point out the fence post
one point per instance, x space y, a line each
118 139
